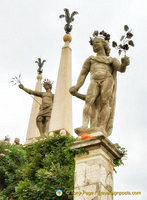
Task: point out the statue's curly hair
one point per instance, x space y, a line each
106 45
47 82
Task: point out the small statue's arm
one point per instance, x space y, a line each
35 93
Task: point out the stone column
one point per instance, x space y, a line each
61 118
94 171
33 131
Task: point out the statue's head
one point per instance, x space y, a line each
47 84
100 40
17 141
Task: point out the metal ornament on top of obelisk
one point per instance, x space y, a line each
61 118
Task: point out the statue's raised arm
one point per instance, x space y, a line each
29 91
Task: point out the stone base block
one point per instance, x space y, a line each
94 171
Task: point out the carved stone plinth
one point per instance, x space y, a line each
94 171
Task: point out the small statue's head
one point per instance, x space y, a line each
47 84
17 141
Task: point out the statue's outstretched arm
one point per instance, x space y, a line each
121 66
35 93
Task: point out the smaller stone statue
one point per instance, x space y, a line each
69 19
44 114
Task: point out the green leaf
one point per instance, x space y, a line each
114 44
126 28
122 37
131 43
129 35
119 52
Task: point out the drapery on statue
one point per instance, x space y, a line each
100 97
44 114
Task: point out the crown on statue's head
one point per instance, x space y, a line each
97 34
47 82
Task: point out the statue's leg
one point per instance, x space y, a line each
93 118
40 124
92 93
106 94
46 126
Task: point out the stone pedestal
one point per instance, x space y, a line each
33 131
94 171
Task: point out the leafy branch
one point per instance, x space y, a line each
126 41
16 80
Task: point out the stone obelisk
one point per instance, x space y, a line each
33 132
61 118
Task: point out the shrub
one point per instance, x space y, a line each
50 167
12 161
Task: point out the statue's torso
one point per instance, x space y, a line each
47 98
100 68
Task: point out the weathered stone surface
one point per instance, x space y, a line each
94 171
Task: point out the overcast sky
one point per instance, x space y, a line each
31 28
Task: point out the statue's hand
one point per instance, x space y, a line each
21 86
125 61
73 90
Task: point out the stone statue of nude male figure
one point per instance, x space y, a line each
44 115
100 97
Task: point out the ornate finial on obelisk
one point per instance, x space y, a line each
69 19
40 65
68 27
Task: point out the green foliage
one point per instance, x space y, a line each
12 160
37 171
50 167
117 162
